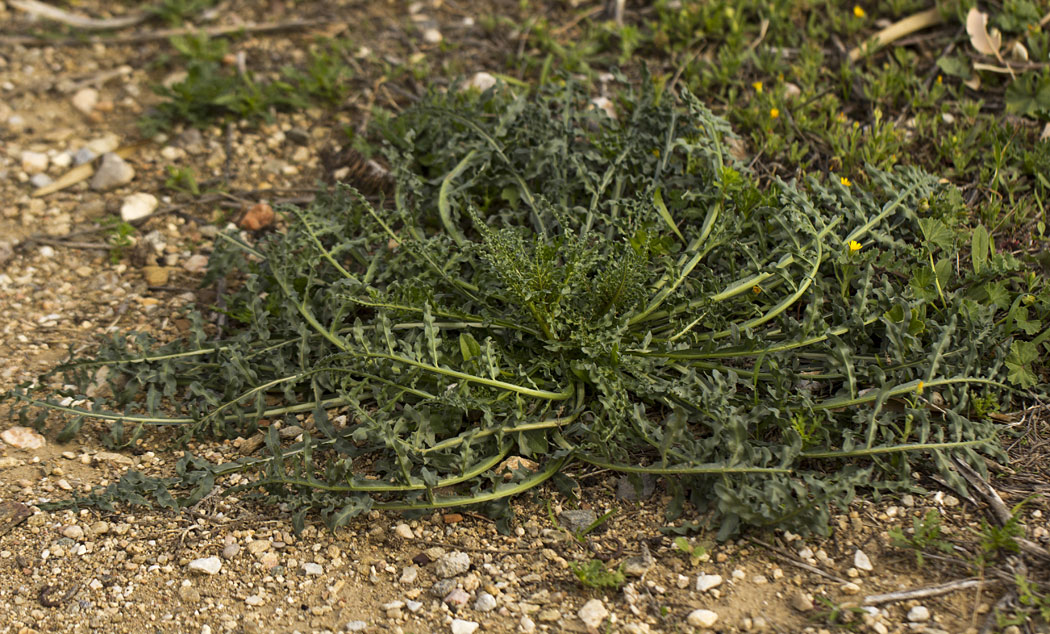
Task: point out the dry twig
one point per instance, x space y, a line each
48 12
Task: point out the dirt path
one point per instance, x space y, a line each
133 569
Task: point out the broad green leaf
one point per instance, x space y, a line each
1018 362
661 208
936 233
468 346
979 245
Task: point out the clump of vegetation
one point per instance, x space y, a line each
925 536
215 89
595 574
554 283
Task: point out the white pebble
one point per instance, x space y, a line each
706 582
85 100
206 565
593 613
918 614
459 626
481 81
862 562
432 36
312 569
702 618
138 206
34 162
485 602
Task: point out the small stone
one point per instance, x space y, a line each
862 562
62 160
356 626
801 601
100 528
638 565
413 606
83 155
34 162
40 180
205 566
254 600
850 588
459 626
526 625
230 551
404 532
593 613
605 105
409 575
189 594
85 100
457 597
258 546
248 626
702 618
196 263
443 587
104 144
22 438
112 173
739 575
919 614
73 532
258 216
485 602
577 520
452 564
138 206
432 36
481 81
313 569
156 275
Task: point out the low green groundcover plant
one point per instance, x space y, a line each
554 283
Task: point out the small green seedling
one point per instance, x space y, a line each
117 237
926 536
594 574
696 554
183 179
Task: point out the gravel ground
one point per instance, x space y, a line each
231 566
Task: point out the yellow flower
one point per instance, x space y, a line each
758 87
846 182
656 153
940 79
918 388
774 113
756 289
858 11
855 246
